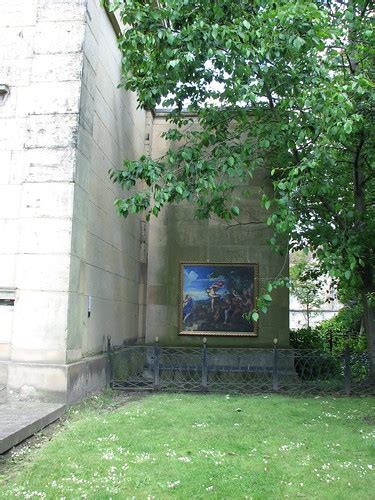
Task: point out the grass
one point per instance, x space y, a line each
203 446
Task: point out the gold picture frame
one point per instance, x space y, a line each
214 296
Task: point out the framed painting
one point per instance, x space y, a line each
215 297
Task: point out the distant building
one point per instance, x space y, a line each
297 313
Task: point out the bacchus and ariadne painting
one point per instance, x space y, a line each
215 298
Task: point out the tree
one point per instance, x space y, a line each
307 284
276 85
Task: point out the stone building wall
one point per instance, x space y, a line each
106 267
62 126
76 270
175 236
41 60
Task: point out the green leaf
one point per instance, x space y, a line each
348 126
174 63
255 316
298 42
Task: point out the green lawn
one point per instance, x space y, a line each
205 446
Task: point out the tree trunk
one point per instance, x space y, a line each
369 323
359 199
308 316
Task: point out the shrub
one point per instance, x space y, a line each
306 338
332 334
342 328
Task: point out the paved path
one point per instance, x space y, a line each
19 421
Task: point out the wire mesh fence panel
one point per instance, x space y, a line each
133 368
180 369
360 376
239 370
310 372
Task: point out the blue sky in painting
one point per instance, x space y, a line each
196 281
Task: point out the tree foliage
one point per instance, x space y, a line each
277 85
334 334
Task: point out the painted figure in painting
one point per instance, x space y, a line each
188 307
216 297
212 293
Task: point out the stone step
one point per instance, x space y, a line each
20 420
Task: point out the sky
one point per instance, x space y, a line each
196 281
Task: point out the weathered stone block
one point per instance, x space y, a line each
59 37
40 320
61 10
47 98
43 272
91 47
18 13
47 164
77 274
45 236
13 134
9 230
9 201
5 162
7 270
77 321
78 240
50 199
56 67
16 72
16 43
82 171
85 377
86 117
84 142
44 382
48 131
88 76
43 356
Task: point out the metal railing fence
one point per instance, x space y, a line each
237 370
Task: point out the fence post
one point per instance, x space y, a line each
204 366
275 368
156 364
347 370
109 365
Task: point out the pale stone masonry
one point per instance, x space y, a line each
62 126
76 271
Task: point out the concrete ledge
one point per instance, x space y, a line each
18 421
